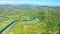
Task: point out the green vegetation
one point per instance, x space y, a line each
46 20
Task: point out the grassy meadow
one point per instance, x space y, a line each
45 22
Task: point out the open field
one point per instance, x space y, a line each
32 20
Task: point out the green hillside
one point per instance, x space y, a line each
32 20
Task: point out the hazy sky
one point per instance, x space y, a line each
40 2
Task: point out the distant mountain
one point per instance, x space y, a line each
28 5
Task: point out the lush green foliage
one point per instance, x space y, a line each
46 22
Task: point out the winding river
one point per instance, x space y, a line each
1 31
